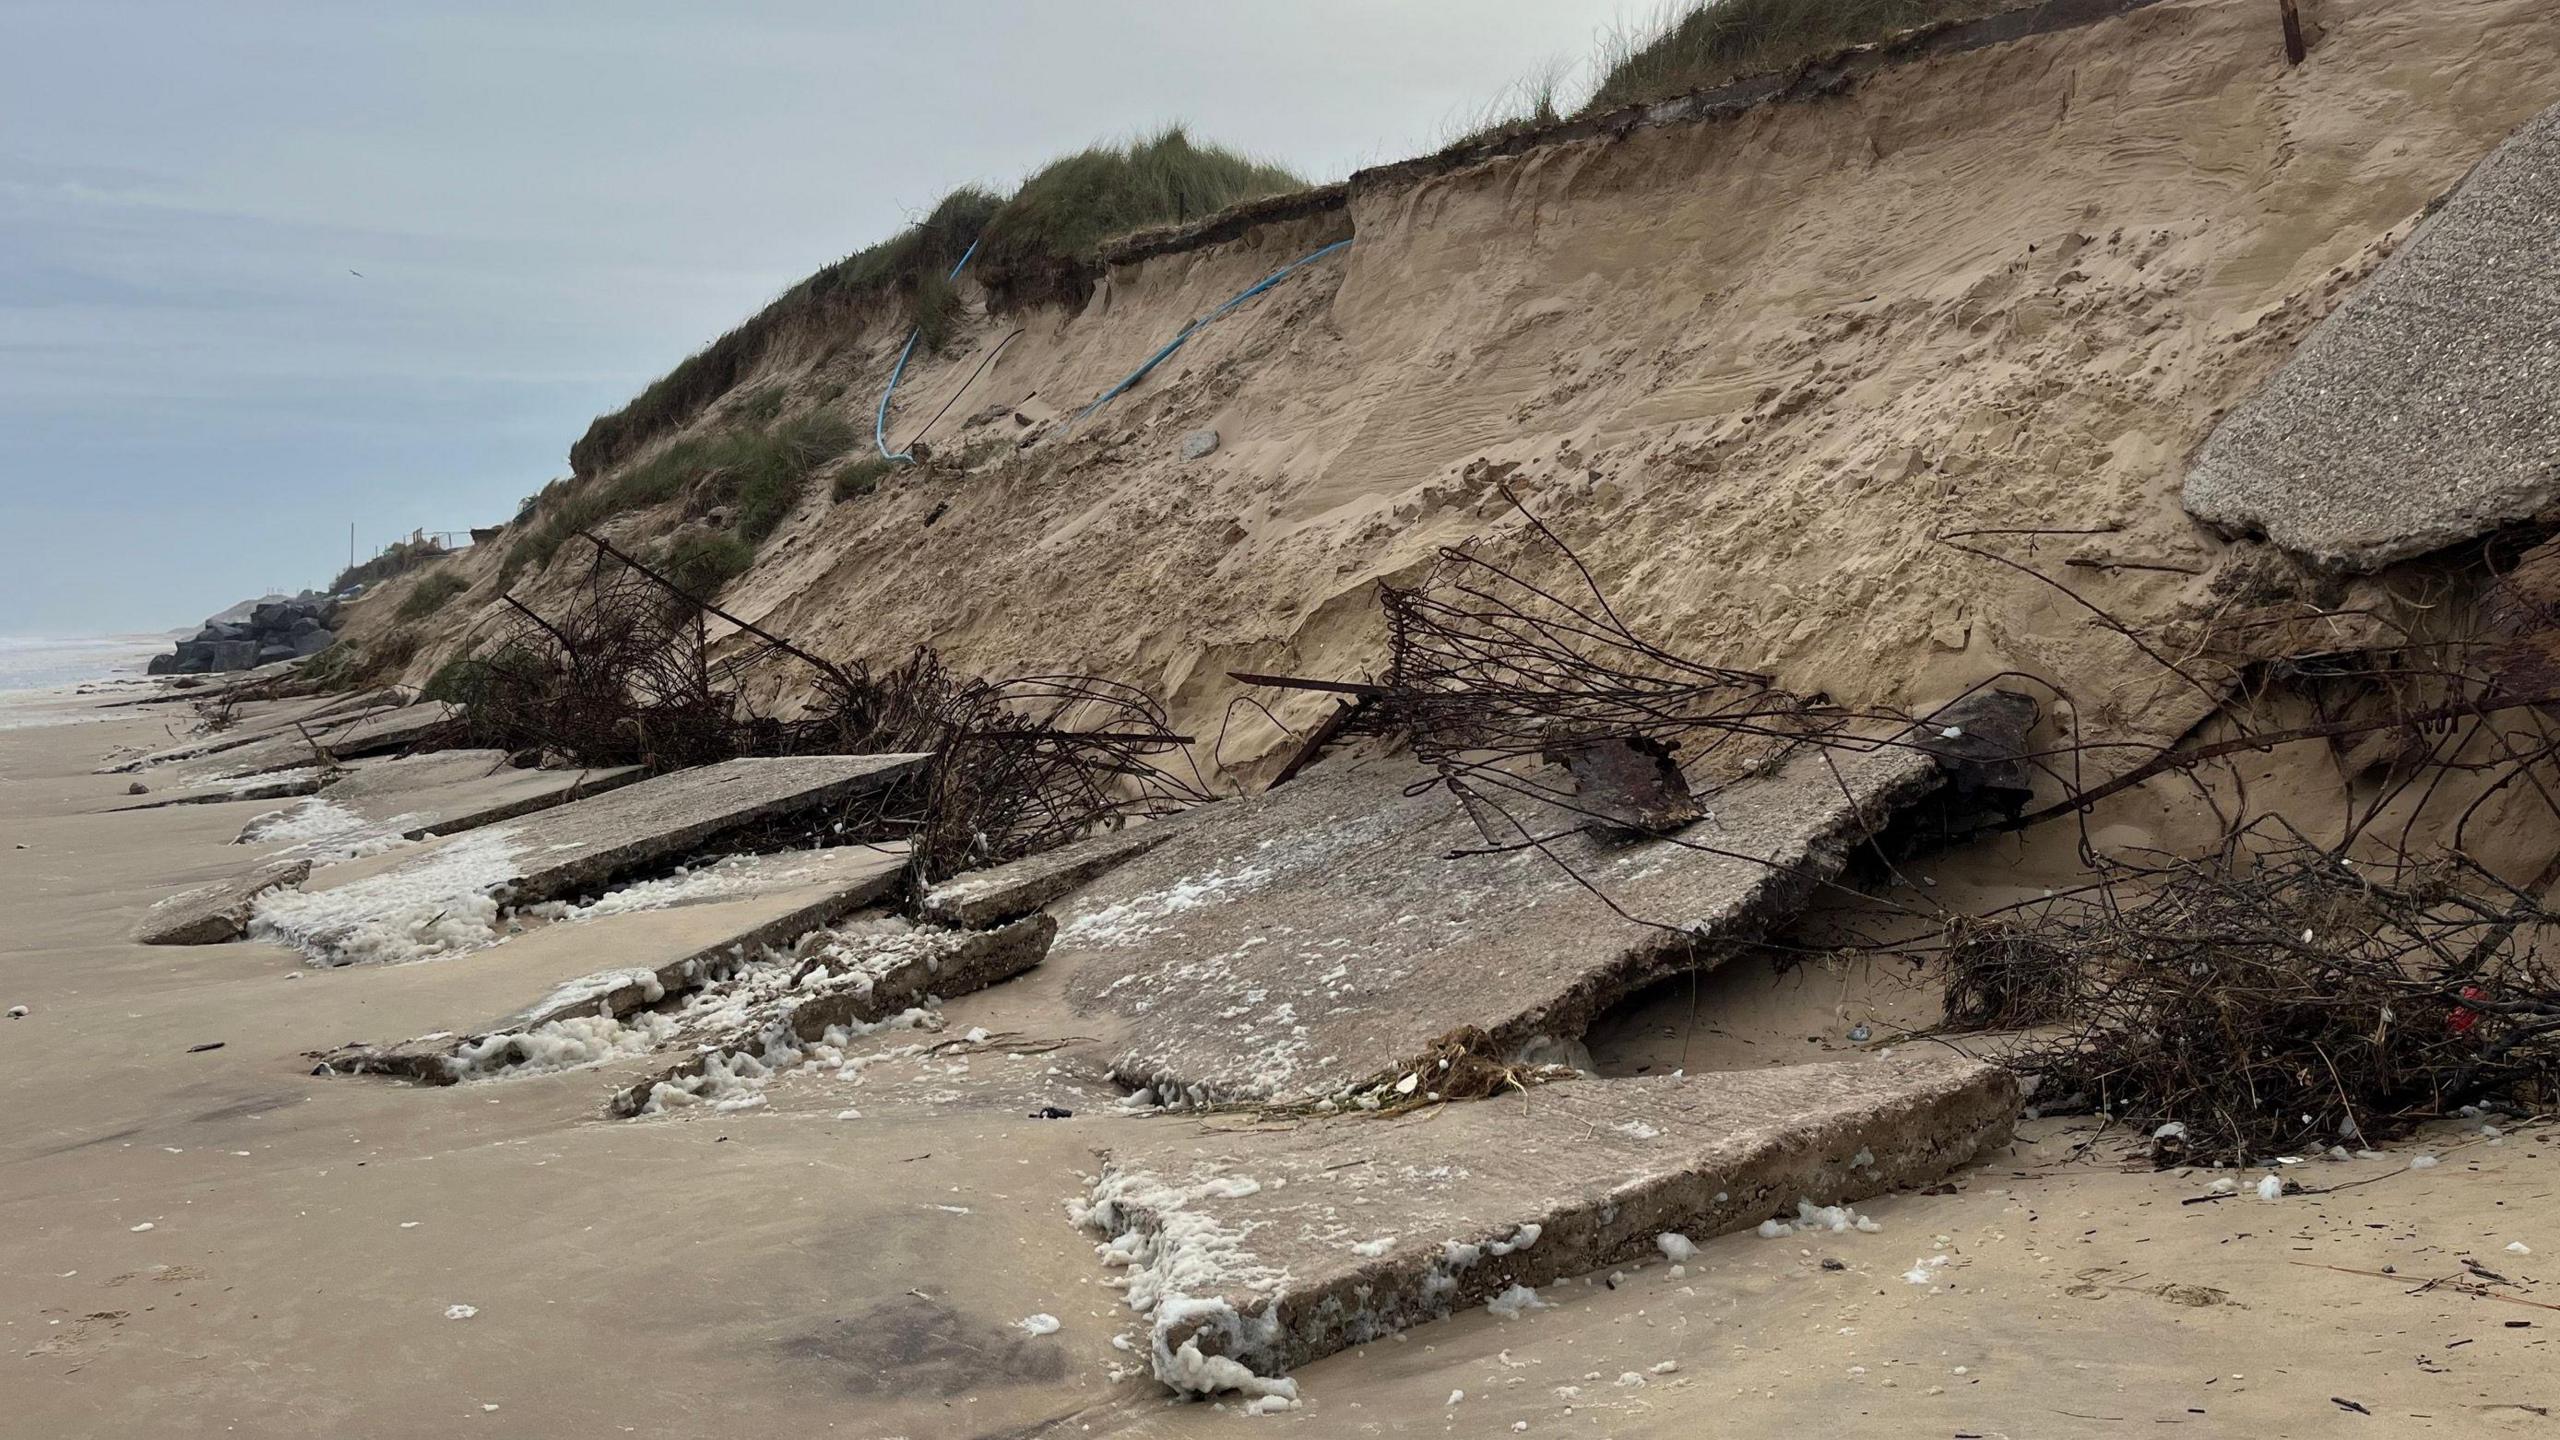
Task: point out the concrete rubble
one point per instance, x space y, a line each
1319 937
2425 410
609 967
446 894
1254 1250
212 914
842 985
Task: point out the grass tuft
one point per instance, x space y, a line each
1693 46
348 665
430 594
702 561
1528 103
1038 243
861 476
759 473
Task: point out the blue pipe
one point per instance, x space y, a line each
880 420
1158 358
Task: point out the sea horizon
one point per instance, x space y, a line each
50 662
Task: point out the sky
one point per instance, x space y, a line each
271 269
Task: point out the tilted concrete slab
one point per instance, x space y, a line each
1317 937
445 893
1256 1250
271 725
980 898
212 914
267 785
365 702
378 732
445 792
856 981
610 962
2425 410
381 732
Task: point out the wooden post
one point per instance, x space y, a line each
2294 49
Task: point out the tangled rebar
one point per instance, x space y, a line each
2273 997
626 674
1490 673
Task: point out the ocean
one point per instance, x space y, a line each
47 664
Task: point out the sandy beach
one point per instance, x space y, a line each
215 1236
1650 794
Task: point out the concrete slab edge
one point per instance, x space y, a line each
1248 1341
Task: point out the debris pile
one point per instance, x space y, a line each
2268 1000
627 674
1491 673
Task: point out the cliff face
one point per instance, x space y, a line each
1757 369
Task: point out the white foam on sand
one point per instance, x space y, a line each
559 1045
441 903
325 832
1182 1271
735 877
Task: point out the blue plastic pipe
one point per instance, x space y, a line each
880 420
1196 326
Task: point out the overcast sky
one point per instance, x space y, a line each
549 204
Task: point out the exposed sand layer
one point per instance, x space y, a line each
1751 367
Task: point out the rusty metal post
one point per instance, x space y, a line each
2294 49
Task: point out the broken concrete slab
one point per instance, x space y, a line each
378 732
268 785
445 792
1320 937
280 724
365 702
1255 1250
383 732
234 752
212 914
440 795
849 984
606 962
2425 410
445 894
978 898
